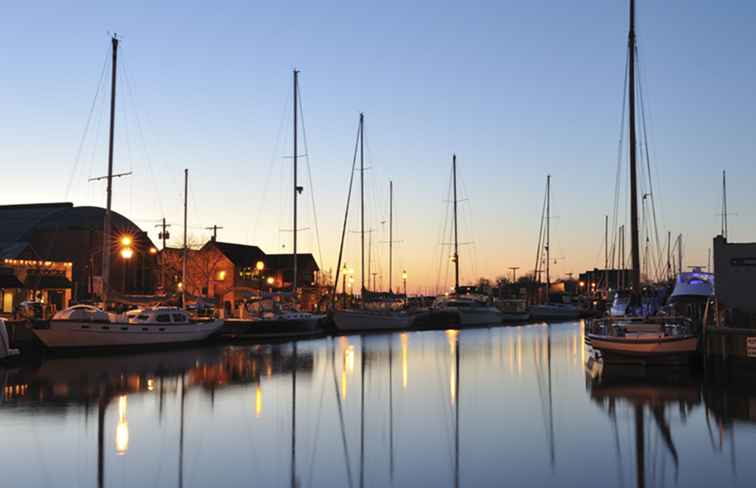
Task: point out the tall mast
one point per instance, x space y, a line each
391 231
606 253
296 188
548 233
183 259
724 204
106 237
633 153
669 260
362 204
456 236
679 253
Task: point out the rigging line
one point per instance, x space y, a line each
271 164
620 158
442 238
129 157
343 230
86 126
659 257
539 249
309 178
140 131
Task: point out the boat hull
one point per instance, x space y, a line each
515 316
358 320
484 316
553 313
667 350
272 329
73 334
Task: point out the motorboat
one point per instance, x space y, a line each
644 340
692 291
471 309
86 326
6 352
554 311
513 310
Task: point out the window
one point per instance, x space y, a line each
163 317
221 275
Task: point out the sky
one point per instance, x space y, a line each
517 90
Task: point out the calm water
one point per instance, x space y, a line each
513 405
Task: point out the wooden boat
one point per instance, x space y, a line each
85 326
644 340
649 341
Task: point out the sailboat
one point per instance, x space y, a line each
550 310
86 326
471 309
380 316
284 320
645 340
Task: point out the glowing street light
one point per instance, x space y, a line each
126 240
153 250
127 253
259 266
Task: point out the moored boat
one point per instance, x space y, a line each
472 310
554 311
369 320
513 310
85 326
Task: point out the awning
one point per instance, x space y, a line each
9 281
47 282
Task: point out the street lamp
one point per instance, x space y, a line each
126 240
404 282
126 253
270 282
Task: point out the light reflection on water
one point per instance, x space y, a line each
483 407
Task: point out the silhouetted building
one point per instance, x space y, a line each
62 233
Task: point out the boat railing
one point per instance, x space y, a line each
622 325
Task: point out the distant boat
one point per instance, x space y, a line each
513 310
645 340
375 315
549 310
85 326
472 309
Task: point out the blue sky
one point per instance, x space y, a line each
516 89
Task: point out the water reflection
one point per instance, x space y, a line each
511 405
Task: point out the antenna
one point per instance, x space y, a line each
215 230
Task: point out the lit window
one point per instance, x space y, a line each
221 275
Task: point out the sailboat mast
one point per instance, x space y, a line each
548 234
106 237
633 153
391 232
184 253
606 253
456 235
296 188
362 204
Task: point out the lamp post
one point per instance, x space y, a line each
126 253
270 282
404 282
260 266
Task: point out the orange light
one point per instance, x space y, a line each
260 266
126 240
153 251
127 253
270 280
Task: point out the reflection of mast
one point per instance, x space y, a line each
294 418
456 411
341 415
640 468
391 409
362 411
551 404
181 435
102 405
547 402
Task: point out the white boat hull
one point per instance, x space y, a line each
360 320
70 334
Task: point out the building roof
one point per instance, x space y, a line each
286 261
241 255
19 223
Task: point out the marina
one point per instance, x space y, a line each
293 246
